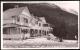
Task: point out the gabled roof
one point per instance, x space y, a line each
43 19
14 12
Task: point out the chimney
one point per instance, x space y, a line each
16 6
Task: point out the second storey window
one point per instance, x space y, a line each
45 25
18 19
25 20
39 24
13 16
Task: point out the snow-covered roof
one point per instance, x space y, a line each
15 12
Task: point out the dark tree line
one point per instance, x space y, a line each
65 32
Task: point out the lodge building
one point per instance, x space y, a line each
18 21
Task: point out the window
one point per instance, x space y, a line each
45 25
39 24
13 16
26 30
36 22
25 20
18 19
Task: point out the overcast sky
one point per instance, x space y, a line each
68 5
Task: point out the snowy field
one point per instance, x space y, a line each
38 43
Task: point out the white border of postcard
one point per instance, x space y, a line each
31 2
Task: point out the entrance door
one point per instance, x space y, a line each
31 32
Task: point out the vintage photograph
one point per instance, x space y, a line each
37 24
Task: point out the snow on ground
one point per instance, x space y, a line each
36 43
